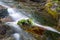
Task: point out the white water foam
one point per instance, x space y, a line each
16 16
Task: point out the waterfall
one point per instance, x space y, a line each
16 15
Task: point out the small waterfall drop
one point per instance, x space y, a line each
15 15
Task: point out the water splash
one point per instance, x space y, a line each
16 36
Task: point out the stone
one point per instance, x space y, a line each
38 1
3 12
3 30
20 0
6 19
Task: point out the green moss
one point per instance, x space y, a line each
23 22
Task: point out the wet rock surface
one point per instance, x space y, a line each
5 31
27 7
3 12
4 15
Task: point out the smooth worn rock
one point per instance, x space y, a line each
4 15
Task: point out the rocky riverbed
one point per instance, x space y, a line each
41 11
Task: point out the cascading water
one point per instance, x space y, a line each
15 15
16 36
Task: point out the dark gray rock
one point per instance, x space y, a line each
3 13
41 1
4 29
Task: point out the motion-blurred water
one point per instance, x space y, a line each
16 15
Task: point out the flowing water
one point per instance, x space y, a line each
16 15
